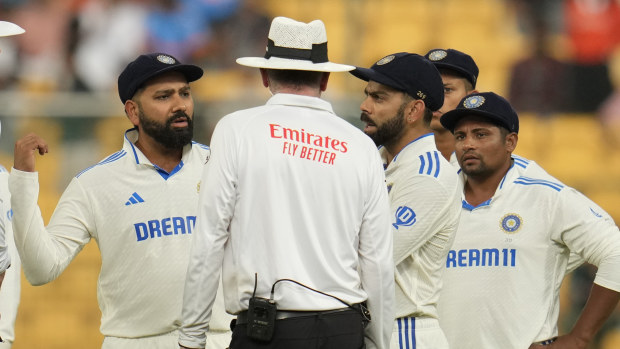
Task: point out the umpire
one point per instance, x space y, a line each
295 210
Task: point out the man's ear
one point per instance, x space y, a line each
414 110
132 111
324 80
511 141
263 74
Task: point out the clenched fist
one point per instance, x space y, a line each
25 149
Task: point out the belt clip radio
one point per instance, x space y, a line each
261 316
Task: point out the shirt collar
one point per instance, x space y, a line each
131 137
300 101
425 141
512 174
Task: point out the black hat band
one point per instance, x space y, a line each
318 54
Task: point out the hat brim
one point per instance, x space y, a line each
467 75
451 118
367 74
293 64
8 29
191 72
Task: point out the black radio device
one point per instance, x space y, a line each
261 318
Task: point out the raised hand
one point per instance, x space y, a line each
24 154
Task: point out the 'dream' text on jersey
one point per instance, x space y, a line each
170 226
306 145
487 257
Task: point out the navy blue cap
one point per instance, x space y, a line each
458 61
148 66
486 104
407 72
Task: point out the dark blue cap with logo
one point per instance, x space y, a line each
148 66
493 107
407 72
457 61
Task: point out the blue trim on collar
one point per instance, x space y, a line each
470 207
413 141
520 161
501 184
165 175
133 147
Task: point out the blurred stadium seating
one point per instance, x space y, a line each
64 314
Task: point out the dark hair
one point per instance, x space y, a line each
295 78
503 131
428 116
453 73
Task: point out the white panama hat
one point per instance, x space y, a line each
8 29
296 45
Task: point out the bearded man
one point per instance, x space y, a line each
403 91
139 204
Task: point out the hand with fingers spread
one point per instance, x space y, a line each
24 154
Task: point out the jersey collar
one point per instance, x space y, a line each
425 142
513 173
131 137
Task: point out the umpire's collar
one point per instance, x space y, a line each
300 101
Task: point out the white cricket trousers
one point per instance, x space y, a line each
417 333
170 340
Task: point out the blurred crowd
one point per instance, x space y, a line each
573 64
81 45
577 79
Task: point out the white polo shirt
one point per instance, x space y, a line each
425 195
142 219
5 257
503 274
11 286
292 191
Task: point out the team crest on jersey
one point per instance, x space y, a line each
473 102
385 60
405 217
437 55
198 187
511 223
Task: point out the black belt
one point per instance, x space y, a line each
242 318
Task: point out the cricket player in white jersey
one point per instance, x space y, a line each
517 230
402 92
459 74
295 207
11 286
139 205
10 281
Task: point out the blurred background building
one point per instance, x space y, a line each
557 61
